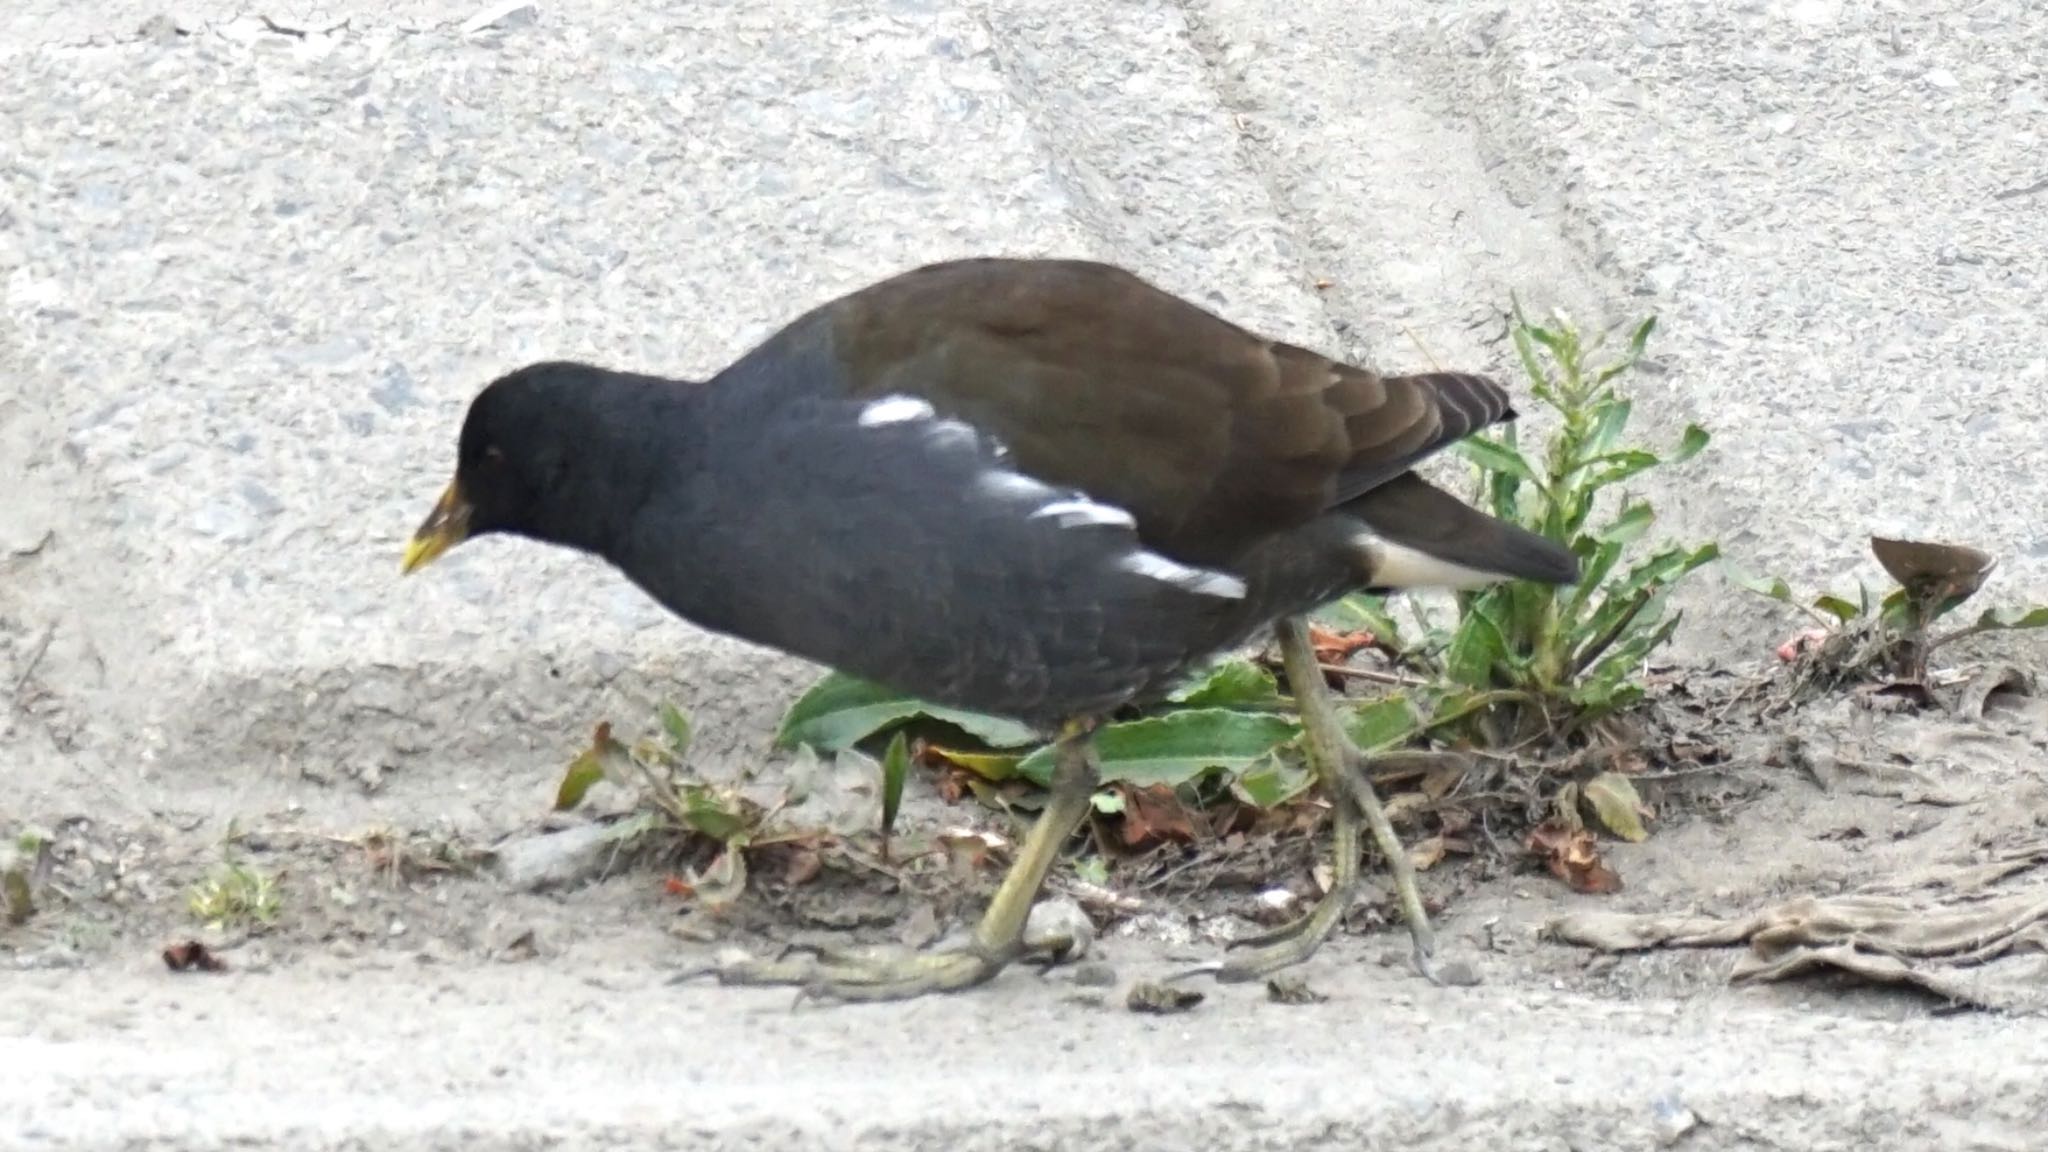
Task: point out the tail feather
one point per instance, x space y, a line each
1426 537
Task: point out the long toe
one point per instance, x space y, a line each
843 977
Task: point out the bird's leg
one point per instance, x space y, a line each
1342 771
996 941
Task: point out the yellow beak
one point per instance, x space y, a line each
445 527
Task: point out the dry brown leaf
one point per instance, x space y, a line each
1153 814
1573 857
1334 647
1427 854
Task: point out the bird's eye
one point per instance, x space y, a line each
494 454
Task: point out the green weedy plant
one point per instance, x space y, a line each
1523 662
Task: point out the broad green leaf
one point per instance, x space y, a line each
1609 418
1615 801
1475 650
1837 607
1232 683
841 711
1496 457
1621 466
1385 723
1175 747
2012 619
992 766
895 770
1271 782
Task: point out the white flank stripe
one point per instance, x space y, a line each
894 410
1200 580
1077 512
1009 485
1399 566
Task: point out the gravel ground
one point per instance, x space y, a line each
254 270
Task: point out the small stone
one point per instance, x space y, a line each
1941 78
1671 1118
1061 928
502 17
554 859
1459 974
1161 999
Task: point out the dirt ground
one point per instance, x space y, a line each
419 999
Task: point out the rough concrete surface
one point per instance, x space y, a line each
254 270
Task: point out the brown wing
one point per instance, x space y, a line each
1209 435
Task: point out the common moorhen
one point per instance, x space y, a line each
1042 489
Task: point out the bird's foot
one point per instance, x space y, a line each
838 975
1290 944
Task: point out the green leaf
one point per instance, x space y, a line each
995 767
1691 443
1837 607
605 757
1592 575
1271 782
1896 610
1477 648
1385 723
1175 747
1616 467
707 812
841 711
624 831
1368 612
895 770
1770 586
1494 456
1615 801
1636 343
2012 619
1629 526
583 774
1232 683
1609 418
677 726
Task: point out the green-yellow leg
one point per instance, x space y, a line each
996 941
1341 769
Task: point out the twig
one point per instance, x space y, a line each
1373 675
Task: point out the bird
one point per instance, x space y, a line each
1034 487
